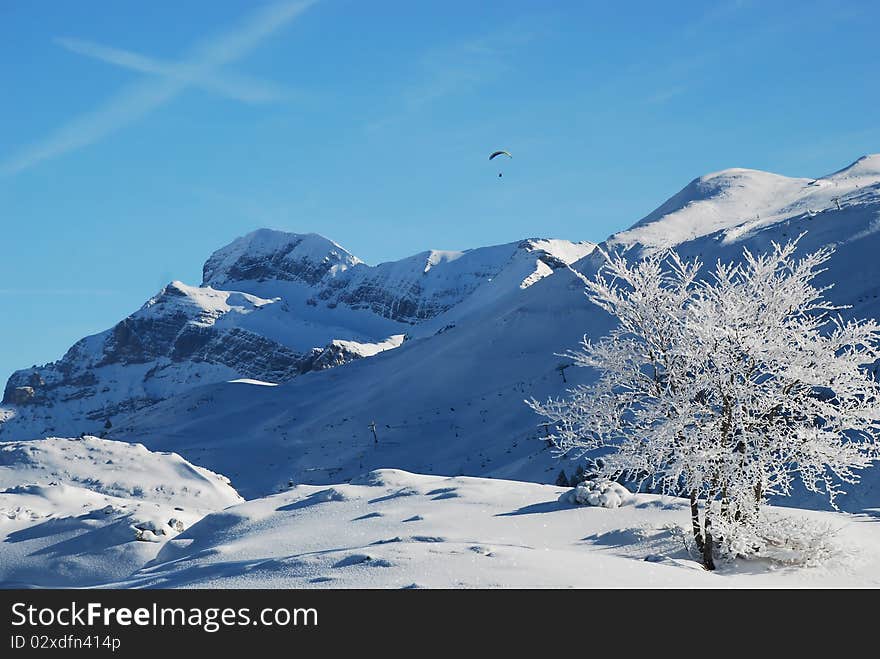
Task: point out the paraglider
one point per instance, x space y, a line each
500 153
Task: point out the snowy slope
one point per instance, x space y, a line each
273 305
393 529
157 521
81 511
450 399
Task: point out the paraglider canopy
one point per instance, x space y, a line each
495 154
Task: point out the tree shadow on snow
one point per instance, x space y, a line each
652 545
562 503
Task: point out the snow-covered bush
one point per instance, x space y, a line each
600 492
725 388
798 541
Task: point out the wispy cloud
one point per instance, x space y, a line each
138 100
664 95
715 14
236 87
694 53
460 67
463 65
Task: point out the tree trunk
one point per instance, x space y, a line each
695 522
708 543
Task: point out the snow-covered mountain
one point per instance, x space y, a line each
734 203
482 330
272 306
739 208
450 399
319 453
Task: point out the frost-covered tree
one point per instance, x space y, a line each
725 389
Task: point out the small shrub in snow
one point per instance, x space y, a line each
799 541
600 492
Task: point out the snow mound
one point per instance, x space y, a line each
116 469
80 512
600 492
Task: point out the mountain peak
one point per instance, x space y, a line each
732 173
710 203
739 200
270 254
866 166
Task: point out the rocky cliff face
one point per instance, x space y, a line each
172 343
272 306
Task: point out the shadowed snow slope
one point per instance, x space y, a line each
450 402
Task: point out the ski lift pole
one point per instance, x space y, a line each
561 368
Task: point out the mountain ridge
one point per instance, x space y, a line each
309 305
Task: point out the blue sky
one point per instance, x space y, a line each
136 138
